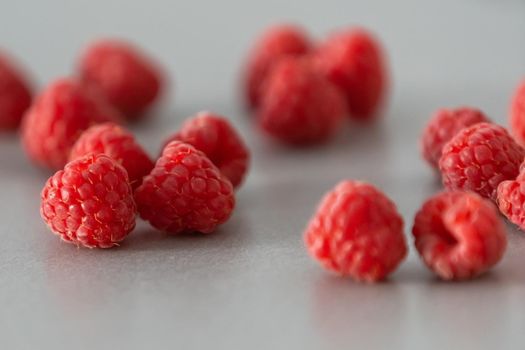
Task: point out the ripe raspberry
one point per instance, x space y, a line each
15 95
185 192
478 158
299 105
128 78
276 43
57 118
459 235
90 202
353 61
517 114
216 137
444 125
358 232
511 198
117 143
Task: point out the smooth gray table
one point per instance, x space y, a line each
251 285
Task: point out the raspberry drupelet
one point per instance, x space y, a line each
218 139
357 232
299 106
478 158
15 93
118 143
57 118
459 235
445 124
90 203
185 192
275 43
354 61
125 75
517 114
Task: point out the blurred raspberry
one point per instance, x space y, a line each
15 93
517 114
357 232
459 235
444 125
57 118
299 106
353 60
185 192
117 143
275 43
478 158
90 202
128 78
217 138
511 199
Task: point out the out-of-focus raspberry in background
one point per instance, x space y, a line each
252 285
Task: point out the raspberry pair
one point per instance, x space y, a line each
358 232
301 91
91 201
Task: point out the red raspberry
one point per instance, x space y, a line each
90 202
117 143
444 125
185 192
216 137
275 43
511 198
353 61
15 95
517 114
478 158
126 76
57 118
300 106
358 232
459 235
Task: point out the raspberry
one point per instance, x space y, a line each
57 118
130 80
459 235
444 125
300 106
358 232
517 114
185 192
275 43
117 143
216 137
353 61
15 95
511 198
90 202
478 158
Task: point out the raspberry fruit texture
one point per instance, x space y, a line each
15 94
129 79
353 60
357 232
459 235
57 118
299 106
478 158
511 199
117 143
185 192
445 124
90 202
517 114
217 138
277 42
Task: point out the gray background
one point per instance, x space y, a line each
251 285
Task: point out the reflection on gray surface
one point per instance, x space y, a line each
251 285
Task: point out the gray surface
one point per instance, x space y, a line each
251 285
